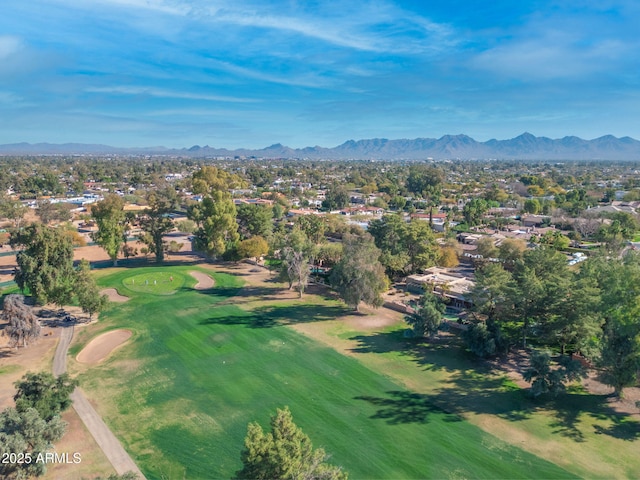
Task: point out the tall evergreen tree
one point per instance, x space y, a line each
285 453
427 317
621 349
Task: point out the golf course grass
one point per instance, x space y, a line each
201 365
578 431
154 282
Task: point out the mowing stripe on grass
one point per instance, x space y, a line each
200 377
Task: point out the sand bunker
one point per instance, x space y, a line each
113 295
205 282
100 347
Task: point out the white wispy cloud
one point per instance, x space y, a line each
161 6
162 93
569 42
380 27
548 58
9 45
308 80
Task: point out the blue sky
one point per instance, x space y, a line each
236 73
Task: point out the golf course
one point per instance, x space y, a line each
201 364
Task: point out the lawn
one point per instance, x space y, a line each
201 365
576 430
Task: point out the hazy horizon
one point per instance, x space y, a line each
247 74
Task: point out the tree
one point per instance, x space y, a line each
129 251
209 179
186 226
389 232
13 210
23 326
71 230
532 205
285 452
510 251
427 317
336 198
545 378
621 350
216 219
448 257
254 220
398 202
542 283
278 211
359 276
313 226
474 210
253 247
328 254
87 291
28 433
155 220
111 219
295 252
492 293
48 395
45 265
425 180
484 339
420 245
486 247
53 212
578 319
555 239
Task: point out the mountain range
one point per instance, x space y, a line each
522 147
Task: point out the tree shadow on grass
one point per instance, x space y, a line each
276 315
441 353
220 293
403 407
621 428
249 293
472 386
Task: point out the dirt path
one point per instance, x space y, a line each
60 357
103 436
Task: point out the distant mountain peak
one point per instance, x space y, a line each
523 147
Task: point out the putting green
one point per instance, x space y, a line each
155 282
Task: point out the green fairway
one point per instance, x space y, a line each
200 367
576 430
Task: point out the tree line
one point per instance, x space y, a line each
540 300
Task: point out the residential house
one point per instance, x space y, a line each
446 283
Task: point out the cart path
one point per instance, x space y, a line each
103 436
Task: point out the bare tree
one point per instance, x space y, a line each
23 324
588 224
